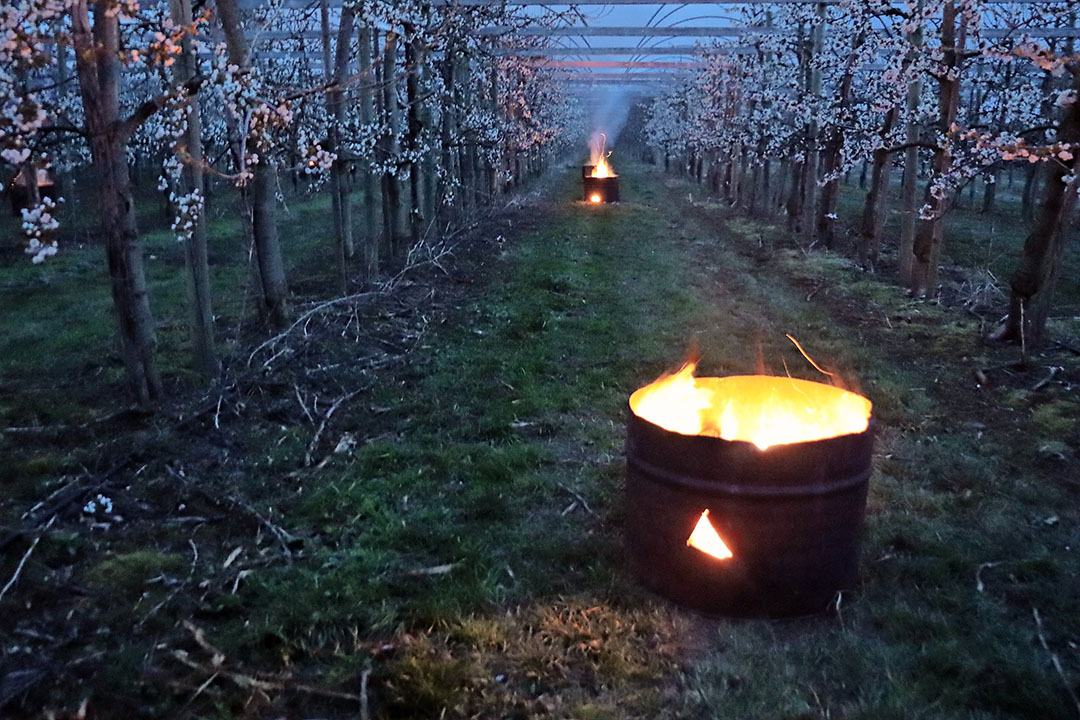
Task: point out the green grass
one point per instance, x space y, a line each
975 241
449 553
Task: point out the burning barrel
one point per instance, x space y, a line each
20 192
599 185
746 495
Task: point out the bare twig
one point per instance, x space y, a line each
322 425
1054 659
580 499
364 715
979 586
243 680
25 557
1054 370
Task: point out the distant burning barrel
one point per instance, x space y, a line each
746 495
19 192
598 189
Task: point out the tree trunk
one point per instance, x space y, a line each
198 267
469 170
392 191
448 132
873 215
413 59
370 183
65 184
909 192
261 198
97 66
929 239
334 74
990 192
1040 265
1027 195
811 195
826 208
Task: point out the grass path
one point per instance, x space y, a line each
517 408
466 557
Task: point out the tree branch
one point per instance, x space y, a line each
917 144
144 112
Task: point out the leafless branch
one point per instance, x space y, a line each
1054 659
25 557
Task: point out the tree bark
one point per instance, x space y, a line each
334 73
930 237
1032 287
811 195
448 133
97 66
909 192
369 181
195 255
392 192
414 127
873 215
260 202
834 145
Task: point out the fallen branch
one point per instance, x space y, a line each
979 586
25 557
423 254
322 425
580 499
1054 659
284 537
1054 370
250 682
1069 348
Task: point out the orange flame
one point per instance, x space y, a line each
598 157
762 409
595 198
705 539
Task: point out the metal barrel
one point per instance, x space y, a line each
792 516
607 188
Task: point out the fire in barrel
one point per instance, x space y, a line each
598 182
20 193
746 494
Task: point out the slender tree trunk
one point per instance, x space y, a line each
929 239
97 66
990 192
1040 265
395 206
414 127
65 184
794 205
813 152
334 73
262 191
834 145
784 175
198 267
495 170
873 215
469 166
1027 195
909 192
448 132
370 183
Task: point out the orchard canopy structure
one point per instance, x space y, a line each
415 114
